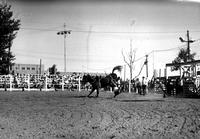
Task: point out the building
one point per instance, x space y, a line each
189 69
28 69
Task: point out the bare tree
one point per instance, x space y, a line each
129 59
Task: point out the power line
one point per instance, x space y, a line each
170 49
136 32
108 24
110 32
163 50
38 29
47 53
50 57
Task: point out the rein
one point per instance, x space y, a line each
112 80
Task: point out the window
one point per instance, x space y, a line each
33 68
23 68
28 68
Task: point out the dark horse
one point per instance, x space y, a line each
98 82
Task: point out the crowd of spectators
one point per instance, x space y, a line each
70 81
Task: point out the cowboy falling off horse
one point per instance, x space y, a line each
98 82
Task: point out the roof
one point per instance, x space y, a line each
183 63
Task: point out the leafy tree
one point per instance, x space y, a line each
8 31
183 57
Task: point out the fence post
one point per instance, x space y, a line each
28 82
10 79
155 86
45 84
79 83
5 85
63 84
111 89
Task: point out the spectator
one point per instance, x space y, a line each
138 86
169 87
144 85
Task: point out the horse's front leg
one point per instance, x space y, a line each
97 92
91 92
117 92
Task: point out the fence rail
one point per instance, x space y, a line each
40 82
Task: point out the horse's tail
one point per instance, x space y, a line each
118 68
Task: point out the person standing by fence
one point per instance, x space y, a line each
144 85
138 86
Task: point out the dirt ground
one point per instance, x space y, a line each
72 115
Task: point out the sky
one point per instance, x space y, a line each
101 30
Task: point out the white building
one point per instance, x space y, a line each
28 69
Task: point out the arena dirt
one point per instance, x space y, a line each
71 115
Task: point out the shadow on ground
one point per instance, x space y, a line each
144 100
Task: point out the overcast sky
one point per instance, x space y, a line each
101 30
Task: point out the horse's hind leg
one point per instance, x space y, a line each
91 92
116 93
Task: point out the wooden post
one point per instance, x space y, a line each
10 79
159 72
45 83
111 89
165 73
146 63
5 84
28 82
79 83
63 84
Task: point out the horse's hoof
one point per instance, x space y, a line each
116 93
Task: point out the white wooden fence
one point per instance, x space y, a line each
30 82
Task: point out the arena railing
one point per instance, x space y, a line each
39 82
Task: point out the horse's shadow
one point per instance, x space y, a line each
78 96
83 96
142 100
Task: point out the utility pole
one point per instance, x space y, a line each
146 63
124 72
88 45
40 70
64 33
188 44
153 62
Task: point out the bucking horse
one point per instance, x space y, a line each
98 82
